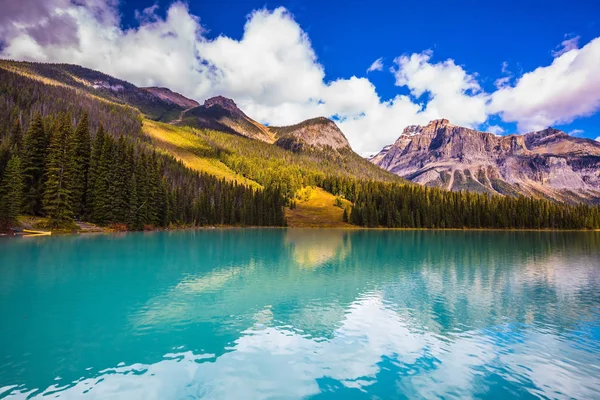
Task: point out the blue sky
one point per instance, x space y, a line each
472 42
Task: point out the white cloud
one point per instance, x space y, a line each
274 75
453 92
376 66
598 138
576 132
566 45
559 93
495 129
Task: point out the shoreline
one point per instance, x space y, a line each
103 231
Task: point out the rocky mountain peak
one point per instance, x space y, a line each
221 101
431 128
547 163
317 132
439 122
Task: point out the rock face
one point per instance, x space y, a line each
172 97
317 133
547 163
222 114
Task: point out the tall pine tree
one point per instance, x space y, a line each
95 157
81 164
11 193
58 201
102 211
16 136
33 163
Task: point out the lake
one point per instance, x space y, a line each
292 313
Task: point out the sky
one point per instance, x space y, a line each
374 67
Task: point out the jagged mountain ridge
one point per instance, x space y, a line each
222 114
547 163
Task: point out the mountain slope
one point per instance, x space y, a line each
547 163
222 114
168 95
188 147
98 84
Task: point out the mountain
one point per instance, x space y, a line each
547 163
168 95
95 83
222 114
318 133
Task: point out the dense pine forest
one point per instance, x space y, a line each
395 205
69 155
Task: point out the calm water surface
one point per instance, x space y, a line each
323 314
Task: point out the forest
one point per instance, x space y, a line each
70 156
393 205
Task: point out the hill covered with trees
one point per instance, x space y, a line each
74 153
70 156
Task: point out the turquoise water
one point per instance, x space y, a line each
323 314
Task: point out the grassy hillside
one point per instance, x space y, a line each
188 147
315 208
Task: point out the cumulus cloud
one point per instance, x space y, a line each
559 93
376 66
274 75
453 92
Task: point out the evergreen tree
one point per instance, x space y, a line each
33 163
102 212
81 148
95 157
16 136
11 193
118 189
58 202
132 221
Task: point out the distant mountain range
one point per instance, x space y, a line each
547 163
